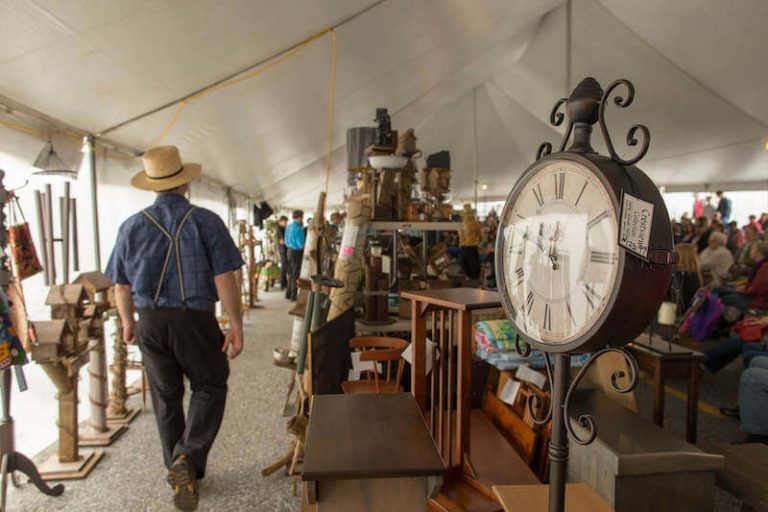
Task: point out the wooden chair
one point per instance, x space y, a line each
377 349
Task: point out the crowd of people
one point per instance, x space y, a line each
727 264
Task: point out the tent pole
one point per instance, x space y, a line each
568 45
94 202
474 140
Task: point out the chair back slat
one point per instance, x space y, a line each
380 355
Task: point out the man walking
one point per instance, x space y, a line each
282 222
294 240
173 261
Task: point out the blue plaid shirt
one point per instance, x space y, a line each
206 249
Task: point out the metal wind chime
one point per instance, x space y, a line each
68 232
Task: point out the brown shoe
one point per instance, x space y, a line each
183 478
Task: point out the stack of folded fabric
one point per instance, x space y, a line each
496 345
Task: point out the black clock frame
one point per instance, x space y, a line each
640 285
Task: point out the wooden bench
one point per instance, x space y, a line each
637 466
745 474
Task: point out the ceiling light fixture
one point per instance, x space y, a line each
50 164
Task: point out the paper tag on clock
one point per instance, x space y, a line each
635 225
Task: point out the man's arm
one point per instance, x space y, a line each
124 299
226 286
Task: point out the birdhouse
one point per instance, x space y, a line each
54 338
95 283
67 301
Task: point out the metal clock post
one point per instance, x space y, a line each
633 269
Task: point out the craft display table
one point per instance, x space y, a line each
535 498
665 360
637 466
369 452
450 363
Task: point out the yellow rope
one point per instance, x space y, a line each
205 92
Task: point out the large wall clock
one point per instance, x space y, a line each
584 248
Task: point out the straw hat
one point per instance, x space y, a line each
163 170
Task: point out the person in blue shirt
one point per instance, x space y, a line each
294 241
724 206
172 262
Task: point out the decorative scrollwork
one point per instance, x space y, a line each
586 420
544 149
556 118
534 399
523 350
623 102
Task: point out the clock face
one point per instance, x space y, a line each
558 253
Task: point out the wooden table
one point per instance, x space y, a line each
450 377
667 360
535 498
370 452
744 473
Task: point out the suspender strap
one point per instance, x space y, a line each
173 242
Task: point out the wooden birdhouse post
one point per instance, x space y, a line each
96 287
56 352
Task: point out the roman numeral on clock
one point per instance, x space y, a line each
547 318
570 313
594 222
581 193
528 303
591 295
602 257
519 276
539 195
559 185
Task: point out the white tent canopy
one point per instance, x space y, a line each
442 67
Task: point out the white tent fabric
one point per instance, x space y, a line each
440 66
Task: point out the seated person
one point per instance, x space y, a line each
754 294
753 395
735 237
690 275
716 259
703 229
742 264
728 350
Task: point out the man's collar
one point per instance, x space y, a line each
170 199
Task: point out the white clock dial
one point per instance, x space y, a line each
560 254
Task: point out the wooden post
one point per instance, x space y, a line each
464 383
117 412
419 355
69 462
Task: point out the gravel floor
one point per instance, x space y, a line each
131 476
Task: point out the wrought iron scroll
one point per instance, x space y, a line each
623 102
556 119
586 420
534 399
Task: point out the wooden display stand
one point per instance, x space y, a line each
69 462
117 412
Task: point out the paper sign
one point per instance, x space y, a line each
635 225
509 391
408 355
349 241
358 366
527 374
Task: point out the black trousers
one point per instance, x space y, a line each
294 270
470 261
178 343
282 251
